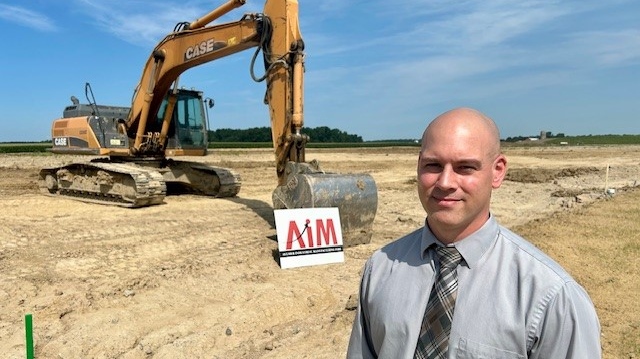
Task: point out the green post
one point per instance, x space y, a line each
28 323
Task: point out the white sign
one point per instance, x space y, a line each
308 236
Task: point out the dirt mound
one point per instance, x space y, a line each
542 175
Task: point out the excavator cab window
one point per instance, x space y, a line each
188 126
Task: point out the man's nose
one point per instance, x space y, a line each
447 178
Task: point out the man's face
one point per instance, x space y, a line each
456 174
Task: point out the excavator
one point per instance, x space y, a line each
133 164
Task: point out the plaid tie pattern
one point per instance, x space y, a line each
436 325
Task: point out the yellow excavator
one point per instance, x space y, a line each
132 165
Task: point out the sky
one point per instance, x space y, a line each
376 68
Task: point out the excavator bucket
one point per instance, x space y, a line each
355 196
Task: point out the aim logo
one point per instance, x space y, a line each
309 236
324 234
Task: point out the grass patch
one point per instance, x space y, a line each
16 147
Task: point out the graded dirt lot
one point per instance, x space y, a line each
199 277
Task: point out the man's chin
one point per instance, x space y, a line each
443 219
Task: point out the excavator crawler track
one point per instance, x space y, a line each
204 179
121 184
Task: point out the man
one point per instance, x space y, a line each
495 295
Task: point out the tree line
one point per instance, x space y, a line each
263 134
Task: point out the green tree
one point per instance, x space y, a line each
322 134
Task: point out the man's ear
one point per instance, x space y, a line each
499 171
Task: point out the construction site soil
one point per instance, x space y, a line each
199 277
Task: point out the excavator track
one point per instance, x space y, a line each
230 182
121 184
204 179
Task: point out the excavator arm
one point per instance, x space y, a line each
276 32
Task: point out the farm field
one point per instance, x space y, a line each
198 277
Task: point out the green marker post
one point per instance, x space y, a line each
28 324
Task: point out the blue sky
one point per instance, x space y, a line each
379 69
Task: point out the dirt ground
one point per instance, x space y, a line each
199 277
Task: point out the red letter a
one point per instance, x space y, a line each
294 234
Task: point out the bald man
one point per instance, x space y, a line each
463 286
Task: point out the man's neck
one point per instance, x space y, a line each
450 234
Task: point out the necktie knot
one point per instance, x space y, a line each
449 257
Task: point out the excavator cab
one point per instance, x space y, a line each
94 129
188 128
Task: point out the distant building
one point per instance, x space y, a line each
543 135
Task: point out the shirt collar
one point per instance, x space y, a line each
472 248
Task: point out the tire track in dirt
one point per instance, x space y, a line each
121 246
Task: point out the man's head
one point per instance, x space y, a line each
460 163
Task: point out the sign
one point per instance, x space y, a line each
308 236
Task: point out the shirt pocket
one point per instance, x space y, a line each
468 349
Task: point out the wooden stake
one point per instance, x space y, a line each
606 181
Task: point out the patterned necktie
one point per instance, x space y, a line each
436 325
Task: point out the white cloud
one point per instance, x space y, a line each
145 23
439 45
26 17
494 24
608 48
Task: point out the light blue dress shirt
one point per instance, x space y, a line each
513 301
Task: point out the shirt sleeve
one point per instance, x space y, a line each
360 346
569 328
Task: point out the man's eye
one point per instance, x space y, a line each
431 166
466 169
